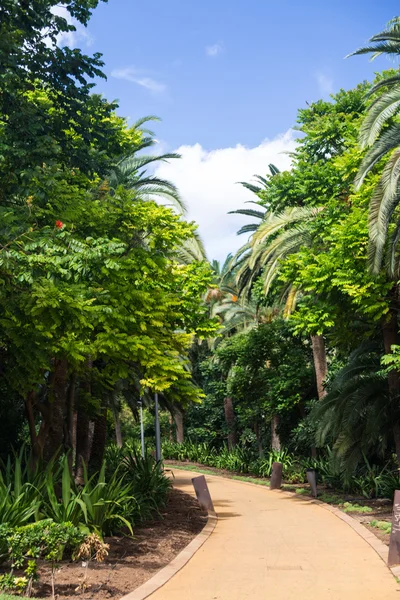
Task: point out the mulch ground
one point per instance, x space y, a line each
130 562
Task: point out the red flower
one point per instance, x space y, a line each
59 224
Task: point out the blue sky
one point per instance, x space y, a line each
227 78
270 57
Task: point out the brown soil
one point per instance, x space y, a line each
130 562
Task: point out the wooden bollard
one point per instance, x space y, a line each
312 480
394 544
203 494
276 476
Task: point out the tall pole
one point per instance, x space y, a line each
142 430
158 435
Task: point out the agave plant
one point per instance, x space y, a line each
148 481
100 506
20 497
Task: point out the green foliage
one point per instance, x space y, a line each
384 526
99 506
349 507
149 483
26 545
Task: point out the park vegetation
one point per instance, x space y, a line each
288 351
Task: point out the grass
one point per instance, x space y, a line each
13 597
302 492
348 507
250 480
384 526
331 499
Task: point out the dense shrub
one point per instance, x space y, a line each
369 481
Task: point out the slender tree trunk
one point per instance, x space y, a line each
390 338
230 422
99 441
36 445
171 427
320 364
259 439
82 445
57 410
117 422
178 418
275 439
321 370
117 425
69 421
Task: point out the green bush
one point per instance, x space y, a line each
148 482
100 506
43 540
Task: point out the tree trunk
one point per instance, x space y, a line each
171 427
320 364
69 441
259 440
57 410
99 441
230 422
275 439
391 338
178 418
82 445
117 422
117 425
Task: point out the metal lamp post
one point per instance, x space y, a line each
142 429
158 434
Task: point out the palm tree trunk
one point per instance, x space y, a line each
320 364
178 418
230 422
275 439
390 331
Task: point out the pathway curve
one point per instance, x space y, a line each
269 545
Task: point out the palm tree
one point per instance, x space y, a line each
358 413
258 191
380 135
276 237
131 173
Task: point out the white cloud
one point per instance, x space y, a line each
215 49
325 84
136 76
207 181
70 38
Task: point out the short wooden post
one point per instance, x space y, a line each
394 544
276 476
312 480
203 494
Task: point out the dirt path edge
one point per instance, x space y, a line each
166 573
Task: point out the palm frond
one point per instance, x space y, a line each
248 212
389 140
378 114
382 206
250 228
